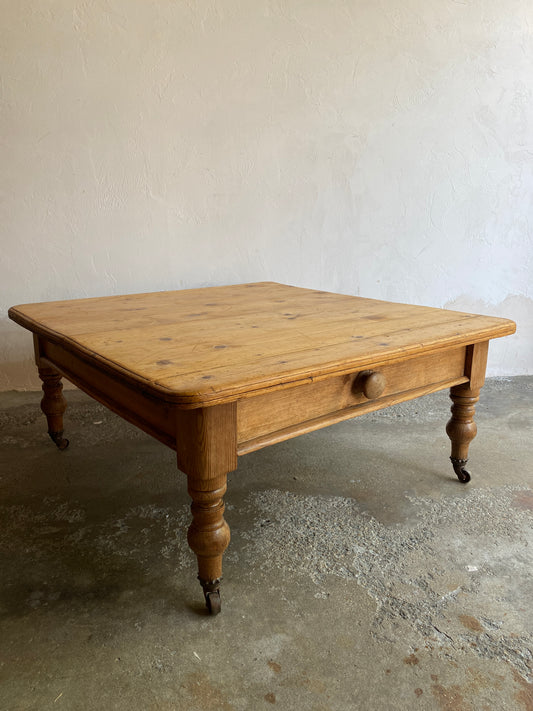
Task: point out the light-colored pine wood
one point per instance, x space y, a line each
216 345
331 418
281 410
126 398
216 373
53 403
207 440
476 364
206 452
461 428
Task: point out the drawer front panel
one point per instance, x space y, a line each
265 414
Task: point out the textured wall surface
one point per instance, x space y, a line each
382 149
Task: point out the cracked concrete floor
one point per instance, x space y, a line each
361 573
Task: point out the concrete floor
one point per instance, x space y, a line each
361 573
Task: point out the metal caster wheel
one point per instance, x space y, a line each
212 600
59 440
459 468
463 476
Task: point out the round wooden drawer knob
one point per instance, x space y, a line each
372 384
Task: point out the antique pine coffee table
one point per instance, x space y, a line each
218 372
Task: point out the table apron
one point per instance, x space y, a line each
278 416
154 416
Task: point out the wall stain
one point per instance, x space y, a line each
450 699
524 500
411 659
471 623
316 686
208 696
480 681
525 695
274 666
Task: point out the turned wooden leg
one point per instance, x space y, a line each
209 534
461 428
206 447
53 404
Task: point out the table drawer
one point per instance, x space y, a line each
272 417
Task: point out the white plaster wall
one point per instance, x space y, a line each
378 148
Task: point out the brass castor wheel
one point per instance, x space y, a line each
459 468
59 440
463 476
212 600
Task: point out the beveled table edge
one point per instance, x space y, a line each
195 399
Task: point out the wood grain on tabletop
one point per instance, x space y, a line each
204 344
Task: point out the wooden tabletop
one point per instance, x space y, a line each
204 346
